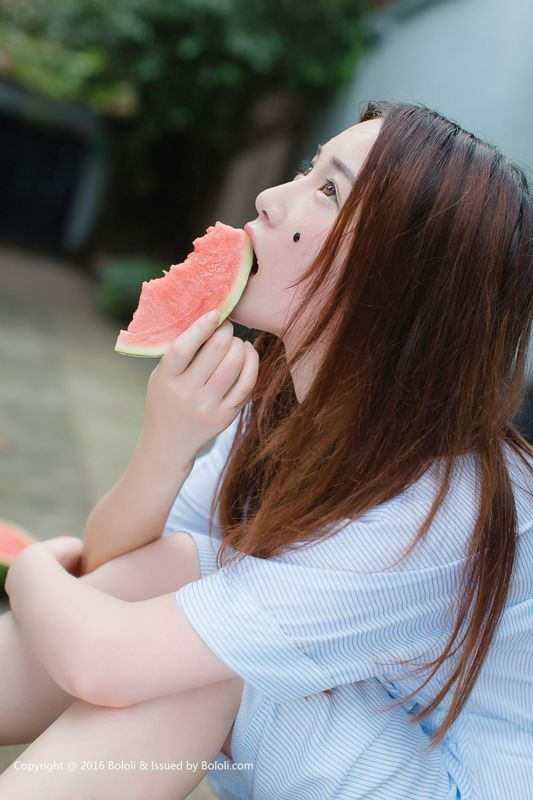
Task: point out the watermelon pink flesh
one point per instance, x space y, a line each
13 539
213 276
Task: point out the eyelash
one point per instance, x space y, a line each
308 164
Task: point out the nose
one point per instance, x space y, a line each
268 207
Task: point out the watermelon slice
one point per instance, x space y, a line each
213 276
13 539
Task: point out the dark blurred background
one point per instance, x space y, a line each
122 124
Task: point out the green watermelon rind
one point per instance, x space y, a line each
239 285
3 573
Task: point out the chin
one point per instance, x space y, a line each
249 320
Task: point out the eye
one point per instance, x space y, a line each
305 166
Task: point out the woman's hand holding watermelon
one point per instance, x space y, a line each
197 389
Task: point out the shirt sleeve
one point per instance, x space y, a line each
191 507
292 630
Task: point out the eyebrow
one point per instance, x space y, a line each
338 164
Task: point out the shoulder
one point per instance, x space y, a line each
379 538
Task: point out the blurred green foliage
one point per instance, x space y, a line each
179 65
180 82
119 286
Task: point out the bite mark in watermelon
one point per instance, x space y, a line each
13 539
213 276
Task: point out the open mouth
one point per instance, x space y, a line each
255 265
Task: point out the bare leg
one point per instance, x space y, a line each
193 724
166 730
29 699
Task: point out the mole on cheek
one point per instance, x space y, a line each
296 237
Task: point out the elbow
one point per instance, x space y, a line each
101 693
91 678
101 688
69 670
86 686
83 682
96 689
66 679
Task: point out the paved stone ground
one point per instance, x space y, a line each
70 407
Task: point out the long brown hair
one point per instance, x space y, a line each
430 321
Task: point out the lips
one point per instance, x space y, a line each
255 265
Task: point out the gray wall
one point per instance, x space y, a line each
471 60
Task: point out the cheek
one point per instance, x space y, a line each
291 259
304 251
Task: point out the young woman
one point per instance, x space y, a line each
370 635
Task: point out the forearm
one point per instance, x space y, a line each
60 617
133 513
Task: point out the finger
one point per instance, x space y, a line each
225 375
210 355
182 350
240 392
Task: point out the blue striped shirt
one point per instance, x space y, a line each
335 615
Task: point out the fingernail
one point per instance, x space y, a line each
212 316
